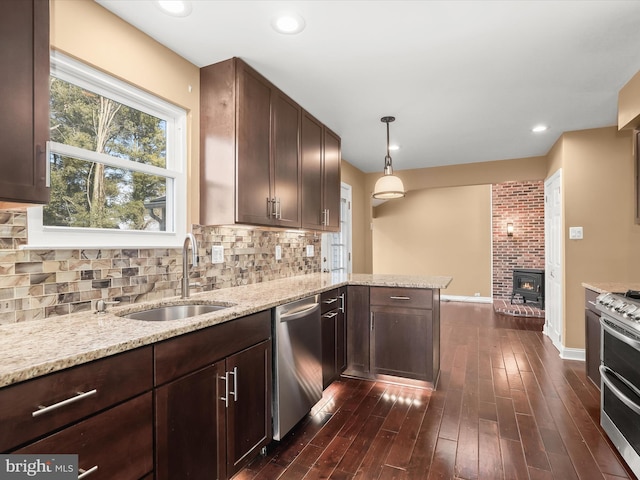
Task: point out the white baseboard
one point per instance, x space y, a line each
573 354
461 298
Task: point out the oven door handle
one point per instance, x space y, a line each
623 338
604 373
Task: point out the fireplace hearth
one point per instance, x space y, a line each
529 284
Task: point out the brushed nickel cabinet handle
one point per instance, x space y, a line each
330 300
400 298
235 384
226 389
42 409
341 303
86 473
371 321
330 315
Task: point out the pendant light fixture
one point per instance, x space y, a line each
388 186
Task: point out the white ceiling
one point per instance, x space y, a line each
466 80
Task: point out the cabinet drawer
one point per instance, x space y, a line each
119 441
330 300
590 300
188 353
71 394
401 297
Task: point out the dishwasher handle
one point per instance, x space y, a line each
297 314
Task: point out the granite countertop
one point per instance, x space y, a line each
38 347
611 287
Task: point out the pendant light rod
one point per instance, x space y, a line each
388 168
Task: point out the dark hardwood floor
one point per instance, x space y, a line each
507 406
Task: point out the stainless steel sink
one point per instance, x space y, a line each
174 312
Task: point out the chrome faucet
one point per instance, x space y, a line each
185 262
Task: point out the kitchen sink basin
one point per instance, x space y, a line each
174 312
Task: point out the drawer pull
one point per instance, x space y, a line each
330 300
330 315
79 396
86 473
400 298
592 303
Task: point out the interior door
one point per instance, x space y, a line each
554 322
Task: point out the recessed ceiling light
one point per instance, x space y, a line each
177 8
539 128
288 23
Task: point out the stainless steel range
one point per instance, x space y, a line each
620 373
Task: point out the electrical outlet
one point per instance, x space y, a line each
217 254
310 251
278 253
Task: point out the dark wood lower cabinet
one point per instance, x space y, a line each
394 334
399 339
118 441
210 423
592 334
249 411
190 420
357 330
334 335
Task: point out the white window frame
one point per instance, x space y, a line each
77 73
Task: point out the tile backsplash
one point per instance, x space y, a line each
36 284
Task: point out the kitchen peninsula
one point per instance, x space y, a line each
108 387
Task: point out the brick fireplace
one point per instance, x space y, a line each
522 205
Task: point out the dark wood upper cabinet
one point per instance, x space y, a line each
320 157
286 116
250 147
263 159
24 94
253 176
331 179
311 157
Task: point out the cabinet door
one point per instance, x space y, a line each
331 179
285 160
24 94
118 441
329 359
311 164
253 147
190 424
341 333
357 330
592 329
401 343
249 410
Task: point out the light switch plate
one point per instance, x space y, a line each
309 250
575 233
278 252
217 254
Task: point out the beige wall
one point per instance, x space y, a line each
485 173
85 30
598 195
437 231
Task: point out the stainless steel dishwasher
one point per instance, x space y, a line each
297 362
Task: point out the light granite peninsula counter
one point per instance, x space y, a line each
38 347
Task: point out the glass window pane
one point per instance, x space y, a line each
84 119
91 195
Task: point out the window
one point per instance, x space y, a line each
116 164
